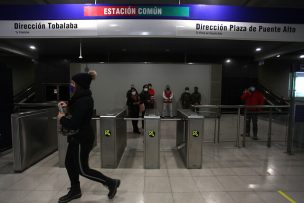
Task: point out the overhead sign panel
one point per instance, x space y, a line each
125 11
184 21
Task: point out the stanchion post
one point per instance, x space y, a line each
244 130
269 128
238 128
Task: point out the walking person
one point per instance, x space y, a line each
80 143
252 97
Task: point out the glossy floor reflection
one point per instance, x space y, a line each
229 174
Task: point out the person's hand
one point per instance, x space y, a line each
60 115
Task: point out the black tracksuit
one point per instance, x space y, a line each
80 145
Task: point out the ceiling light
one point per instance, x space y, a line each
145 33
32 47
190 63
228 61
278 56
80 51
301 56
258 49
101 62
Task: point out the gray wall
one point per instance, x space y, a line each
113 81
275 77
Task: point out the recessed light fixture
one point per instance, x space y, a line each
228 60
278 56
32 47
258 49
301 56
145 33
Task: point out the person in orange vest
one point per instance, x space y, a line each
167 102
252 97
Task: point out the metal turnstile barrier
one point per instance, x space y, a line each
189 138
152 140
34 137
113 138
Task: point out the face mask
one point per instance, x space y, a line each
187 91
133 93
72 89
251 89
145 89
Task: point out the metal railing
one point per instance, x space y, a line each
239 109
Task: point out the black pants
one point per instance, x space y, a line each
134 114
77 163
254 117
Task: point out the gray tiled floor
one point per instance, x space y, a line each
229 174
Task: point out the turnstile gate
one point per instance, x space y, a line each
113 138
189 138
152 141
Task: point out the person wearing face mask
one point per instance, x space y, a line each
167 102
78 119
145 99
252 97
186 99
133 102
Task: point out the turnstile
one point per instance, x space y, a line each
152 140
33 136
113 138
189 138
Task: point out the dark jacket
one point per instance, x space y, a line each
145 97
186 100
81 110
133 105
196 98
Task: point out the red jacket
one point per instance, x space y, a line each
252 99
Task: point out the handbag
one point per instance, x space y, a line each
142 107
68 132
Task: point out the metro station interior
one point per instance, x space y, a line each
205 153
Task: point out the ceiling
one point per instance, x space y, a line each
154 49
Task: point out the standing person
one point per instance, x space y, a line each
167 102
145 99
252 97
186 99
152 95
196 98
133 102
80 144
129 91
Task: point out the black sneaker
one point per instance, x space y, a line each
72 194
113 189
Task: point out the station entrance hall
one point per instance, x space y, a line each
152 101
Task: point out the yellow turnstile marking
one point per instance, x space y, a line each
151 133
287 197
107 133
195 133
